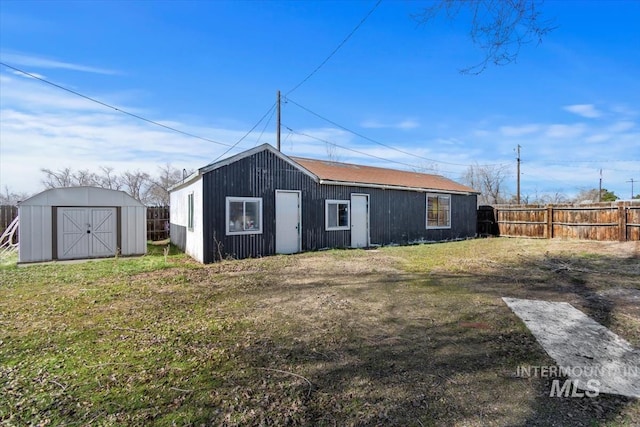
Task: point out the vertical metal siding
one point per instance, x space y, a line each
396 216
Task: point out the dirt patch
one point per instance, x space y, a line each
402 336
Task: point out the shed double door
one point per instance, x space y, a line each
86 232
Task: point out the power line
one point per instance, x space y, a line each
406 153
361 152
246 134
342 43
120 110
273 111
594 161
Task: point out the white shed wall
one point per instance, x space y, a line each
179 212
34 242
133 223
36 220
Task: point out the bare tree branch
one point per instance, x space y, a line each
498 27
488 180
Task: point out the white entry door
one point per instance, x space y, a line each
359 220
86 232
288 222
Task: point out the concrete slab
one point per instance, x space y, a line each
586 351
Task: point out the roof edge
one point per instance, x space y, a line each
396 187
224 162
184 182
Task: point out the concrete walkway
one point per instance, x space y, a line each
583 349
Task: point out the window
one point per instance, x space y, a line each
190 211
244 215
438 211
336 215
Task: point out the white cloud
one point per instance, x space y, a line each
584 110
519 130
408 124
598 137
562 131
405 124
29 76
20 59
622 126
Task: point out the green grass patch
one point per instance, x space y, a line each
395 336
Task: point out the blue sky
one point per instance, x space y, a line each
212 68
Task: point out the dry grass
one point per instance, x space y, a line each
396 336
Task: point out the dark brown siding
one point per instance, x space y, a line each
396 216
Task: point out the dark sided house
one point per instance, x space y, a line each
261 202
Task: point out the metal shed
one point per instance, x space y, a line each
79 223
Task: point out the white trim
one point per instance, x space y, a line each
299 214
327 202
251 152
436 227
191 211
183 183
394 187
231 199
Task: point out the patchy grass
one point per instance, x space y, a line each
397 336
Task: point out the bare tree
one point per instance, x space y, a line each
8 197
84 177
139 185
135 183
108 179
488 180
57 179
590 195
498 27
332 152
426 167
158 192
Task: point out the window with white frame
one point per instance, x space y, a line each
190 211
336 215
438 211
244 215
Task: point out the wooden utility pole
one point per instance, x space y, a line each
632 181
600 188
518 178
278 122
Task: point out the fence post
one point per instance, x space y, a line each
549 230
622 222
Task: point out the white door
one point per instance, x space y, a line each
359 220
288 222
86 232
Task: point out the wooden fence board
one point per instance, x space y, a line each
602 221
157 223
7 215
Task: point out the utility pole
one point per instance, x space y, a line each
518 173
278 122
632 181
600 188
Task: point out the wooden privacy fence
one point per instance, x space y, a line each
7 215
600 221
157 221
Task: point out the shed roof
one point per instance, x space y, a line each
335 172
81 196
